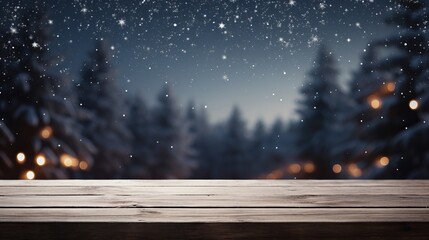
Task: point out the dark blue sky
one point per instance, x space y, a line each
250 53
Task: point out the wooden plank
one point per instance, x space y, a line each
214 215
219 183
210 190
218 209
203 200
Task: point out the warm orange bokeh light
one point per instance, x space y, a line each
30 175
337 168
46 132
375 103
68 161
354 170
413 104
40 160
390 87
383 161
309 167
20 157
294 168
83 165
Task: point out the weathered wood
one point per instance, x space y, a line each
214 209
214 215
217 183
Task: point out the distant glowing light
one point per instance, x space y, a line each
68 161
30 175
383 161
309 167
224 57
83 165
276 174
337 168
414 104
354 170
390 87
40 160
20 157
375 103
294 168
46 132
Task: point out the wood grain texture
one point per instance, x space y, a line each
214 209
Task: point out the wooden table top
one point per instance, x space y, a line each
369 202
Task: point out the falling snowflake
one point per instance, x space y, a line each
121 22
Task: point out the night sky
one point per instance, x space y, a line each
250 53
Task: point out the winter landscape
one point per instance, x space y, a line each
232 89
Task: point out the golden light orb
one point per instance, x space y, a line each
383 161
375 103
390 86
30 175
413 104
337 168
46 132
294 168
354 170
68 161
83 165
309 167
40 160
20 157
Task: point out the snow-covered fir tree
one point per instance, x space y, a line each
6 138
357 145
106 128
317 111
171 141
258 149
275 144
406 123
234 159
139 125
34 104
204 142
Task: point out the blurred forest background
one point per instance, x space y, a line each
53 128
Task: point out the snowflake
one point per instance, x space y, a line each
35 44
84 10
13 30
121 22
222 25
292 2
